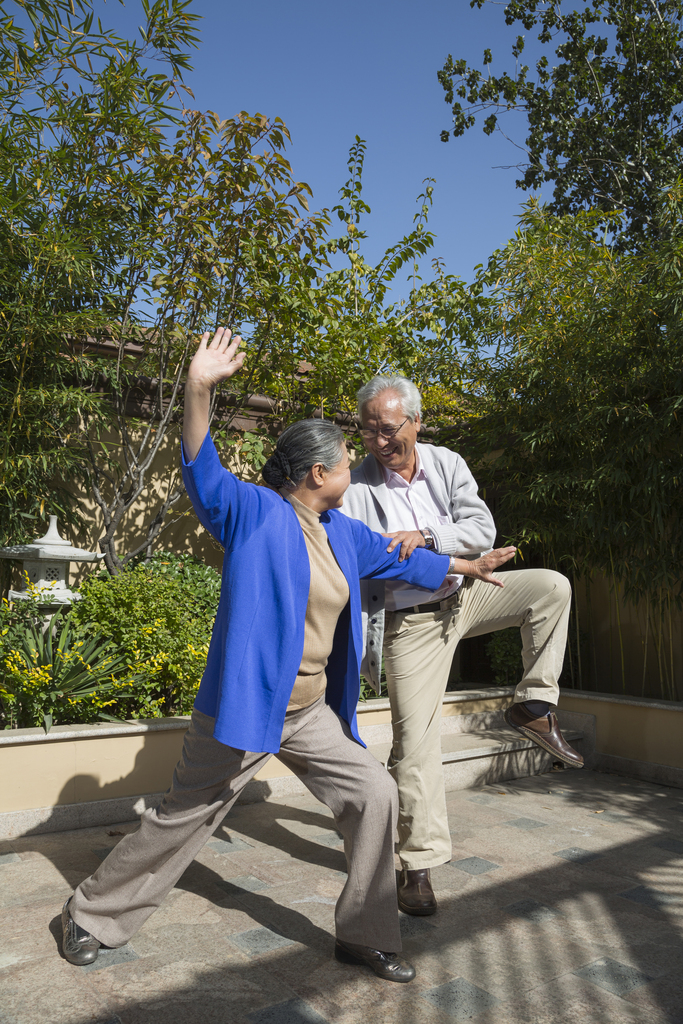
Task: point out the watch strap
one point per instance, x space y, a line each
428 538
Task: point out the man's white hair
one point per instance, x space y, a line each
411 401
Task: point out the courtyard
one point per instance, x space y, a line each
562 904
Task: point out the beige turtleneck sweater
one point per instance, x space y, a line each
327 597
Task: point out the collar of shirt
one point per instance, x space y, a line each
393 479
412 505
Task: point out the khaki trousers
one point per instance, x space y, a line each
418 652
318 747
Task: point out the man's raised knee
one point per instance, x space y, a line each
556 584
562 585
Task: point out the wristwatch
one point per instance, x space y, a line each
428 538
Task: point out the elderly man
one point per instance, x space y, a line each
420 495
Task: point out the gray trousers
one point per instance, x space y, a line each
318 747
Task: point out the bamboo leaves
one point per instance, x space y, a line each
581 399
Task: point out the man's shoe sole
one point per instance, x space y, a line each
416 911
536 738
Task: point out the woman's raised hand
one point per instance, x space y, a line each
210 364
216 360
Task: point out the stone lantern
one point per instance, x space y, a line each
46 563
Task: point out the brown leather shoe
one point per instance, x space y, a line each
544 731
390 966
415 893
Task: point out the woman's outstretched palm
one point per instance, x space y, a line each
216 360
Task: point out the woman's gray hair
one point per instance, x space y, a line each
411 401
300 447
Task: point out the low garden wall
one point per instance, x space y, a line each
634 735
84 775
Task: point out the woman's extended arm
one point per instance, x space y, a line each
210 364
424 568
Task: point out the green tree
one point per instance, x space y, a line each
604 108
129 224
80 116
581 398
227 245
349 328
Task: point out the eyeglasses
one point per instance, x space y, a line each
386 432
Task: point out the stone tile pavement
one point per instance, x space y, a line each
562 904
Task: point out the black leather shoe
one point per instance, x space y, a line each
78 946
544 731
390 966
415 893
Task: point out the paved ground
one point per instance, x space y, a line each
563 904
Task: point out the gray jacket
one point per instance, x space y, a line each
470 531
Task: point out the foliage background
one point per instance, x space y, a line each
81 121
603 105
579 399
159 615
138 642
132 222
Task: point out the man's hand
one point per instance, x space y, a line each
215 361
408 539
483 568
210 364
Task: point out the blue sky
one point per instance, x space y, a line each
332 71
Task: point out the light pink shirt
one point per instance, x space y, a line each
414 506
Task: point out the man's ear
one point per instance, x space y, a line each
417 421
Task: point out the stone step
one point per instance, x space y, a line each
466 745
481 756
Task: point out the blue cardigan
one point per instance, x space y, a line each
258 636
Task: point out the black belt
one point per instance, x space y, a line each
433 606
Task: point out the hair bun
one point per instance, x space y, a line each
277 469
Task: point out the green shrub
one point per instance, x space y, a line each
49 673
15 618
202 583
158 615
367 691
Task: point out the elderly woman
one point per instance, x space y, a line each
282 677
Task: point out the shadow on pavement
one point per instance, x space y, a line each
594 937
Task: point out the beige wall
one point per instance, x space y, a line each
182 533
615 633
635 731
78 770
